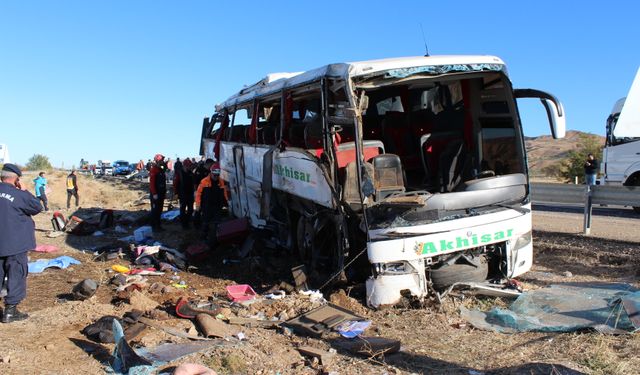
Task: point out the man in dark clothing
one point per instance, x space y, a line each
210 200
590 170
157 190
72 188
183 186
17 231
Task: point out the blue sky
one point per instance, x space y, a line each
127 79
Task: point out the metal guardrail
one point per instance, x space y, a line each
587 195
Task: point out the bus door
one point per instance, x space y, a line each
241 203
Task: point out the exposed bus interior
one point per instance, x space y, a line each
455 134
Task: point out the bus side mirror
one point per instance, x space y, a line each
554 108
557 119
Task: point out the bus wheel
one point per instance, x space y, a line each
634 180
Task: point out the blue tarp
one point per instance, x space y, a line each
606 307
59 262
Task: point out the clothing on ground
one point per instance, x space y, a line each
59 262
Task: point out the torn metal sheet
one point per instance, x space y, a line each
565 308
484 289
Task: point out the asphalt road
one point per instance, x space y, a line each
610 211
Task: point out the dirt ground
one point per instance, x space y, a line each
435 340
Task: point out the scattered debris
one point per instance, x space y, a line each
368 346
321 320
212 327
325 357
189 310
170 215
141 302
300 277
84 289
564 308
241 292
142 233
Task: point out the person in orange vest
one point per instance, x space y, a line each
210 200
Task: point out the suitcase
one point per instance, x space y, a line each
232 230
58 221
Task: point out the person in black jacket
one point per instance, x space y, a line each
157 190
17 234
590 170
183 186
72 188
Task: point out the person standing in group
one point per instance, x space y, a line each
169 164
140 166
157 190
184 187
590 170
17 231
41 189
210 200
72 188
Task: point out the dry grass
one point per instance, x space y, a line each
93 192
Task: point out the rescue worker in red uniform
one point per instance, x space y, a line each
157 190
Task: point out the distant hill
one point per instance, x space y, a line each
544 151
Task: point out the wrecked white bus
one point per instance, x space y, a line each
418 161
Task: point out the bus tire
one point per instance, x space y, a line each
447 275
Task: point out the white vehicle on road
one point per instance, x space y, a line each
621 154
419 162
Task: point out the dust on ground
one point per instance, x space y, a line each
434 338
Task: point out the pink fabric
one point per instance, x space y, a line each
46 248
193 369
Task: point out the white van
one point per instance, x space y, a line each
418 162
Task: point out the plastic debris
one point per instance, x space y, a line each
241 292
351 329
120 269
120 229
142 233
314 295
278 294
170 215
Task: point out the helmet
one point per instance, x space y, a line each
158 157
215 169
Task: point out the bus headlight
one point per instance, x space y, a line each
522 241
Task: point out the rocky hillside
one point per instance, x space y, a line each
545 151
